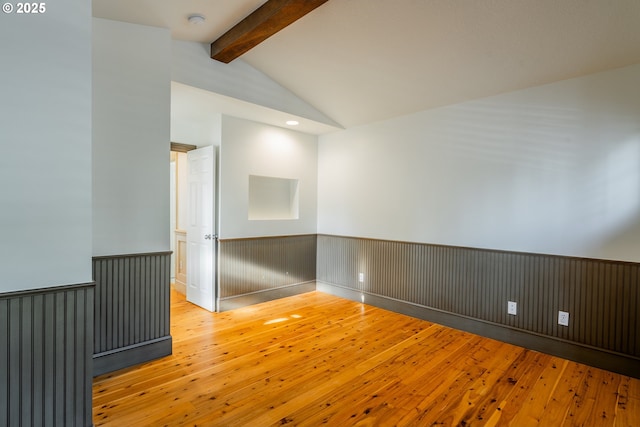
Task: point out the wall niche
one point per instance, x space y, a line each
273 198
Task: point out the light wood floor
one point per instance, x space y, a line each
315 359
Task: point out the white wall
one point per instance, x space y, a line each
194 120
250 148
131 99
45 129
552 169
198 131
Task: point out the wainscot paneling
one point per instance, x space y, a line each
131 310
46 338
469 289
261 269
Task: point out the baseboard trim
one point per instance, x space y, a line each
614 362
237 301
135 354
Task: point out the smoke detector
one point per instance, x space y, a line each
195 19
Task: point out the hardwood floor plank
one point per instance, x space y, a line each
342 369
598 399
557 409
498 406
374 386
541 393
465 401
627 411
315 359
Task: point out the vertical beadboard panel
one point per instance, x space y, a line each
601 296
4 361
132 303
46 338
262 264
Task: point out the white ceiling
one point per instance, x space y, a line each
360 61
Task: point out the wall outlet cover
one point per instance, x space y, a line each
563 318
512 308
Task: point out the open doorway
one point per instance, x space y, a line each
178 214
192 223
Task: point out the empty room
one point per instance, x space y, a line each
323 212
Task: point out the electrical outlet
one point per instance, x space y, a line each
563 318
512 307
360 277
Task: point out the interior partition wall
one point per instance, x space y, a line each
262 269
131 310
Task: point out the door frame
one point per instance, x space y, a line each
185 148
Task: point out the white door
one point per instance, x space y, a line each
201 227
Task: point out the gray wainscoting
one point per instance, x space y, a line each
131 310
46 347
261 269
469 288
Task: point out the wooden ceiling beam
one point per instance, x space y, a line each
262 23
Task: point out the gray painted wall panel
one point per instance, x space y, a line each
4 359
602 297
46 356
132 307
262 265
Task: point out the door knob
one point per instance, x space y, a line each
207 237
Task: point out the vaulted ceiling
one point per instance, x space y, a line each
360 61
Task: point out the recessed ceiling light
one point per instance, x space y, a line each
195 19
293 122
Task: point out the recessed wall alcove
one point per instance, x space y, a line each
273 198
